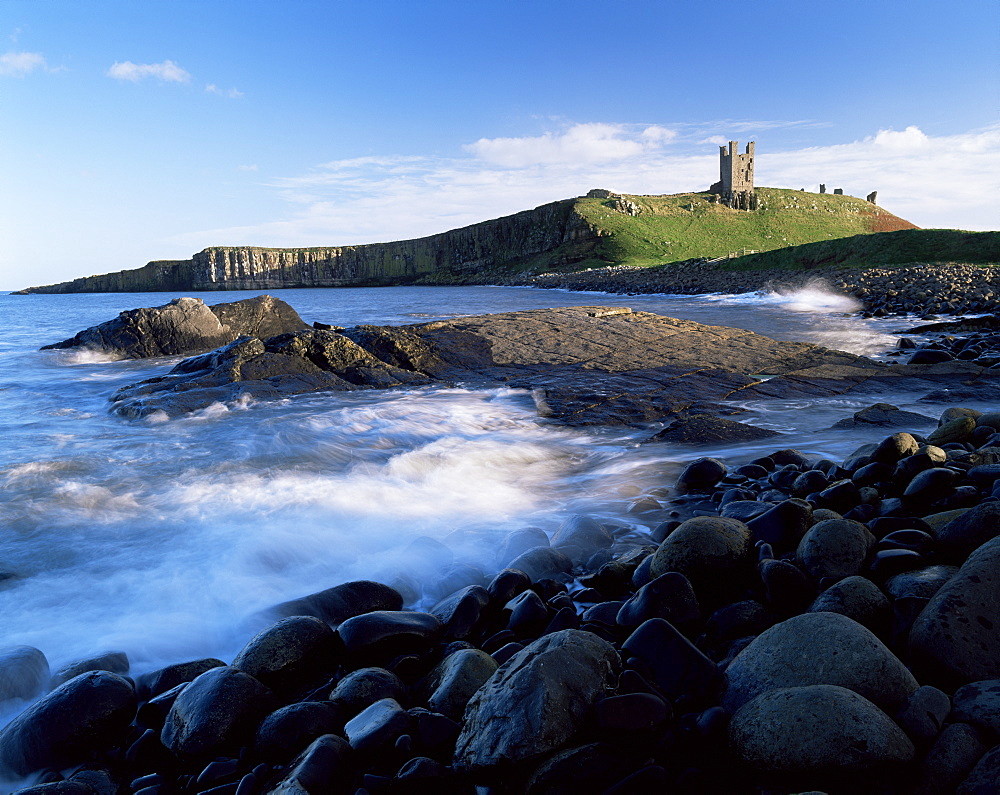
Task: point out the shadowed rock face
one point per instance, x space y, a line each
583 365
186 325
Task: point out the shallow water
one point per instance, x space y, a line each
163 539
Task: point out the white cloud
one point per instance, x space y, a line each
581 143
167 71
933 181
18 64
232 93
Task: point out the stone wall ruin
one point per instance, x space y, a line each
735 185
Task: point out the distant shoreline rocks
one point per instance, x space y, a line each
919 289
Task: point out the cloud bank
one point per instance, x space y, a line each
18 64
933 181
167 72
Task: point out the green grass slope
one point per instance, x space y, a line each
690 225
883 248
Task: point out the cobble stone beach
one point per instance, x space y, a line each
770 623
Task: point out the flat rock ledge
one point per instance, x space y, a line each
583 365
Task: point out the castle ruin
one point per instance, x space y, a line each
735 185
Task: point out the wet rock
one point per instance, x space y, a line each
542 562
589 768
859 599
461 612
533 704
86 714
978 703
957 430
968 531
341 602
520 541
983 778
739 620
383 634
783 525
712 552
834 548
950 759
583 533
632 712
116 662
700 475
285 732
924 714
930 486
216 714
678 667
456 678
818 648
895 447
816 729
787 588
926 457
291 654
377 725
884 415
365 686
24 672
669 596
954 640
923 582
185 325
704 429
507 584
153 683
326 766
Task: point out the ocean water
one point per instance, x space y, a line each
165 539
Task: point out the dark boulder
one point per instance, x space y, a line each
216 714
185 325
534 703
291 654
818 649
816 730
153 683
381 635
363 687
955 640
116 662
326 766
285 732
86 714
341 602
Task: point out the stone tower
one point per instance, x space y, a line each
735 185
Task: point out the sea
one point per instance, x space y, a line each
166 539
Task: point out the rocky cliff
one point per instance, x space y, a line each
599 229
555 227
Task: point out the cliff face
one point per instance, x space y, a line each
501 241
156 276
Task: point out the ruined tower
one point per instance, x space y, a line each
735 185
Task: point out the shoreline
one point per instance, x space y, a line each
604 609
932 288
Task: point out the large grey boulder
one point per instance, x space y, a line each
834 548
185 325
714 553
822 729
88 713
534 702
216 714
955 639
818 649
290 654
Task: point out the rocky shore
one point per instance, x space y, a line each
928 288
790 624
797 624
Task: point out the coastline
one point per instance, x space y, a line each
639 723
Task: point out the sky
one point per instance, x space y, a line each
134 130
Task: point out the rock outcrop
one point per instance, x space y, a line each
186 325
583 365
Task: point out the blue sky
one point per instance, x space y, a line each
132 131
